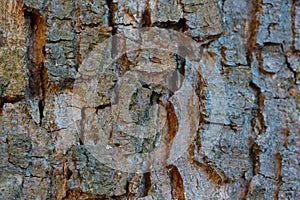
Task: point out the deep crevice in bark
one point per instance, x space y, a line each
38 76
112 7
145 185
177 26
78 35
253 28
146 16
111 15
172 121
254 24
278 174
254 155
260 101
176 183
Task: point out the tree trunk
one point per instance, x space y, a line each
150 99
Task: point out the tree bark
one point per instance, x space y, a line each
150 99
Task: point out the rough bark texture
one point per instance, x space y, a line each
243 116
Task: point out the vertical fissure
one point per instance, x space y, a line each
260 101
146 16
37 71
111 22
172 121
254 24
112 7
78 33
176 183
146 185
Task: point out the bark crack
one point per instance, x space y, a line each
176 183
38 75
